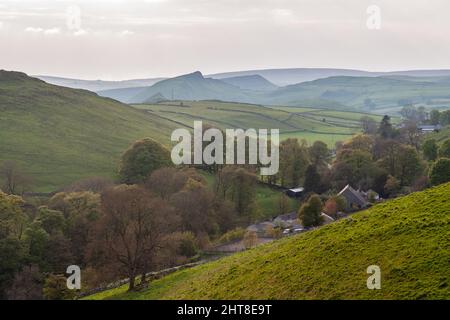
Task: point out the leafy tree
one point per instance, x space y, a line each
55 288
52 221
444 150
319 153
239 186
195 206
167 181
141 159
445 117
283 203
385 130
312 179
409 165
310 212
13 220
440 171
59 253
37 239
13 254
361 142
355 167
330 207
400 161
293 162
392 186
81 210
187 244
430 149
435 117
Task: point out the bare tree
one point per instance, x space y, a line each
93 184
134 224
368 124
26 285
14 180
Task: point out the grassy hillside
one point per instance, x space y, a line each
406 237
59 135
304 123
440 136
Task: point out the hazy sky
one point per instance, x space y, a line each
121 39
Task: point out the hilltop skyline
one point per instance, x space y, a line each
117 40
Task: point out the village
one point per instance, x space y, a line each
289 223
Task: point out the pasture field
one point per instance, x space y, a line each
310 124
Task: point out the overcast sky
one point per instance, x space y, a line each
123 39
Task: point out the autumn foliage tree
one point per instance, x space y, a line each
132 228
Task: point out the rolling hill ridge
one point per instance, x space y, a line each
369 94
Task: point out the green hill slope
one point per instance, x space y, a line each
58 135
408 238
355 92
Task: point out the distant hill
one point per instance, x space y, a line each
59 135
284 77
191 86
363 93
279 77
251 82
98 85
381 94
406 237
124 95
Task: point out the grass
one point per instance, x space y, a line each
407 237
310 124
59 135
440 136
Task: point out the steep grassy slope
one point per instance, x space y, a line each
408 238
59 135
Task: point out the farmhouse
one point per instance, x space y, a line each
355 200
295 193
428 128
